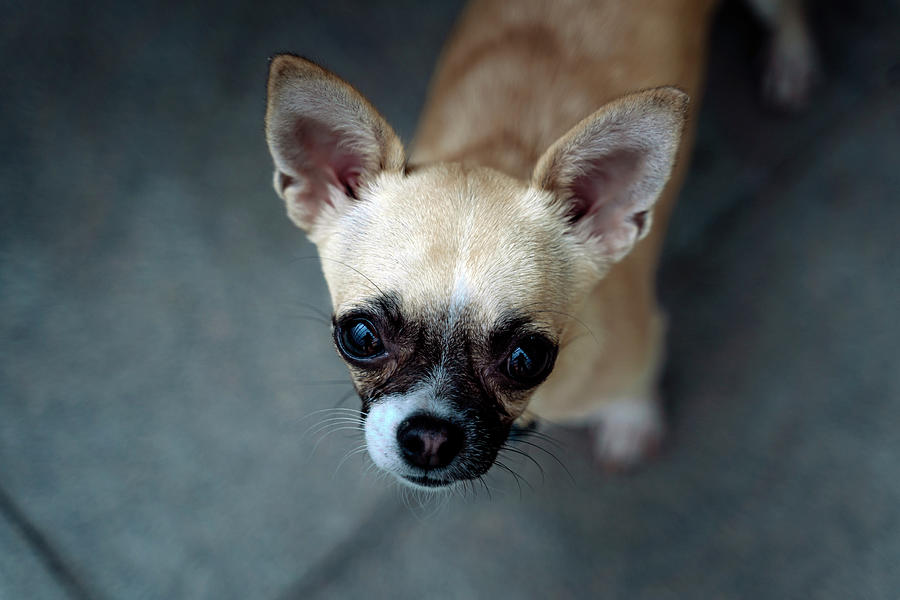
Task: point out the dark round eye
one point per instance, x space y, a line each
530 361
358 338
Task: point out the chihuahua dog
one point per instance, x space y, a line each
508 263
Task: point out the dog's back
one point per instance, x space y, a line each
517 75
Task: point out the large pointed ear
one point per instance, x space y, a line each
326 140
609 170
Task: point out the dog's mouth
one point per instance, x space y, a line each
426 481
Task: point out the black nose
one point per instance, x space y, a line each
429 443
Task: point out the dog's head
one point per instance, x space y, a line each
452 285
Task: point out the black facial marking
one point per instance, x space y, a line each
507 328
459 358
385 306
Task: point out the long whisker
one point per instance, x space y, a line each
344 418
328 410
527 433
335 411
332 422
318 311
518 479
315 319
553 456
574 318
486 488
355 270
350 454
529 457
329 434
341 417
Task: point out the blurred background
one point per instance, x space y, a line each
164 342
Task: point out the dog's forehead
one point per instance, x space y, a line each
452 236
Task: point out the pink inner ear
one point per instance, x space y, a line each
602 194
330 158
351 177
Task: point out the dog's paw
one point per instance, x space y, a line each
627 432
792 69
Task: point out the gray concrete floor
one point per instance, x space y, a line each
162 348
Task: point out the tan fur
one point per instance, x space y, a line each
479 217
576 56
474 248
468 249
302 90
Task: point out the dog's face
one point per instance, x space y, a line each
445 317
452 286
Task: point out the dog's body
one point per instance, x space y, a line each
510 238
